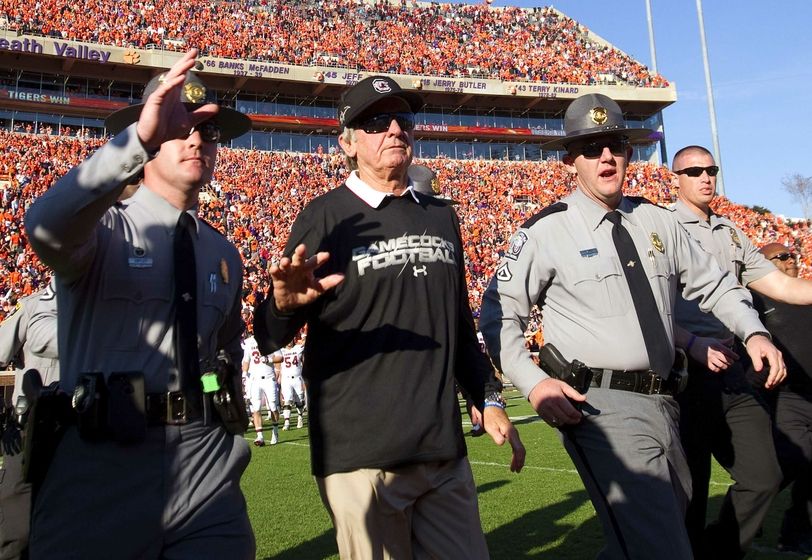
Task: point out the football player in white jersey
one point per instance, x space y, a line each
290 360
261 376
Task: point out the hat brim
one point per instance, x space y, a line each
232 123
632 134
413 100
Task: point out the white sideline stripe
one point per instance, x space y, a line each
551 469
489 464
546 469
534 417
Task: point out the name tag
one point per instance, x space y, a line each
587 253
140 262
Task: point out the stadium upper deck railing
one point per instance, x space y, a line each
175 45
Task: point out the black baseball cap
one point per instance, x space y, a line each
369 91
193 94
594 114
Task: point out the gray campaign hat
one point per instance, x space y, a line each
194 93
370 90
424 180
590 115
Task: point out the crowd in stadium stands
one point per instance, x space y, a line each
255 196
409 38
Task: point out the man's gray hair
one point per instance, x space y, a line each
348 135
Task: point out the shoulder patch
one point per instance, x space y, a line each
551 209
516 243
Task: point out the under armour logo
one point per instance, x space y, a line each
631 264
417 271
187 297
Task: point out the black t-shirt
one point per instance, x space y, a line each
384 347
789 326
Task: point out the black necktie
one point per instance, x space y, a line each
651 323
186 305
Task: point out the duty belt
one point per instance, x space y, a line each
172 408
645 382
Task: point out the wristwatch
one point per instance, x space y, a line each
495 398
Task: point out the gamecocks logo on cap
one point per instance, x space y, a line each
381 86
598 115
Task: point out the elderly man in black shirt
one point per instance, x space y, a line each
389 331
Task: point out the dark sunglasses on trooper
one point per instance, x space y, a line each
697 171
382 121
590 150
209 131
783 257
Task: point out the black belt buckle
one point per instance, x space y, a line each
176 409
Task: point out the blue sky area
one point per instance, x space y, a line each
761 71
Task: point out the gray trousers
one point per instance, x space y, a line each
174 496
15 508
628 453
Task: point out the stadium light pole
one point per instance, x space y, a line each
653 51
720 184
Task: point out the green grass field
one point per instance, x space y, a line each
543 512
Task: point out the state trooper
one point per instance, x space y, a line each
721 414
149 332
604 269
28 341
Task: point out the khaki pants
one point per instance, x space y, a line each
427 510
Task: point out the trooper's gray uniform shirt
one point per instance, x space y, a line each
626 448
567 263
30 333
114 270
733 251
115 282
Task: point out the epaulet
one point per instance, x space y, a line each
644 200
551 209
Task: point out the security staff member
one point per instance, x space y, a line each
27 340
587 262
791 404
160 475
721 414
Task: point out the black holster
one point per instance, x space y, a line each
222 380
575 374
48 416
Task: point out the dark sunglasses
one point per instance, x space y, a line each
209 131
783 257
382 122
696 171
591 150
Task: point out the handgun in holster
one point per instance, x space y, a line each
223 383
575 374
48 415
